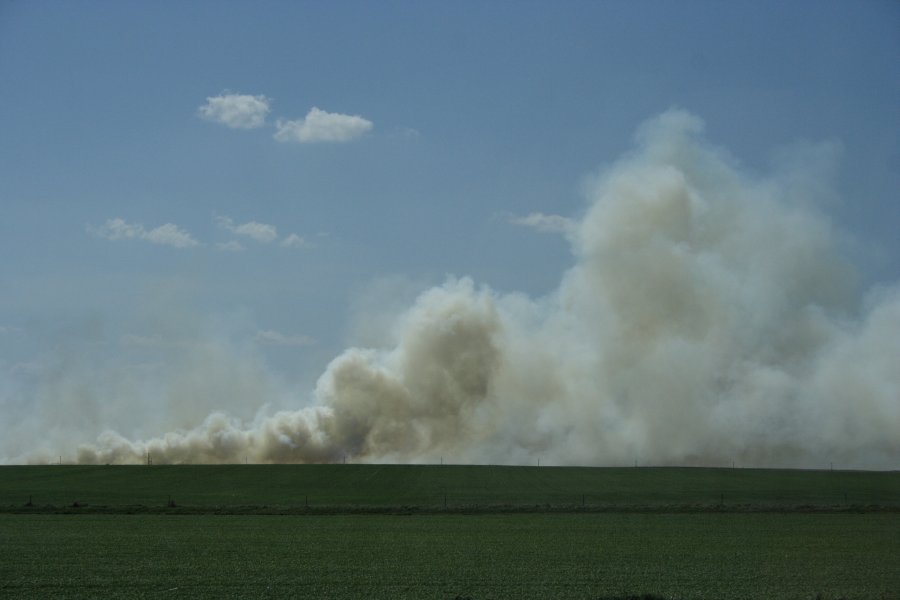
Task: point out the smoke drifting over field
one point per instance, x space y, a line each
708 317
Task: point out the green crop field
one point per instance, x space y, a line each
451 556
343 486
383 531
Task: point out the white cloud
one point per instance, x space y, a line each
166 235
170 235
117 229
322 126
280 339
238 111
545 223
260 232
230 246
294 241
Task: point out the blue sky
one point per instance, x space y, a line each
473 114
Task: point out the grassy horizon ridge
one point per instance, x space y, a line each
437 488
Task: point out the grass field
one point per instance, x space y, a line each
373 486
451 556
793 534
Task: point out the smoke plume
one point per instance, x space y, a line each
708 317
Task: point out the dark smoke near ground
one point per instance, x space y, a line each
708 318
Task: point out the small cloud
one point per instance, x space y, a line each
230 246
405 133
224 222
117 229
4 330
545 223
295 241
280 339
170 235
166 235
322 126
238 111
260 232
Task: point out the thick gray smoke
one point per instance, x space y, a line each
708 317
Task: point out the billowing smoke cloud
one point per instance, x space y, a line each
708 317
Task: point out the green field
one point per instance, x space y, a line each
506 532
451 556
341 487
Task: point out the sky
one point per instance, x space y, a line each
203 204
